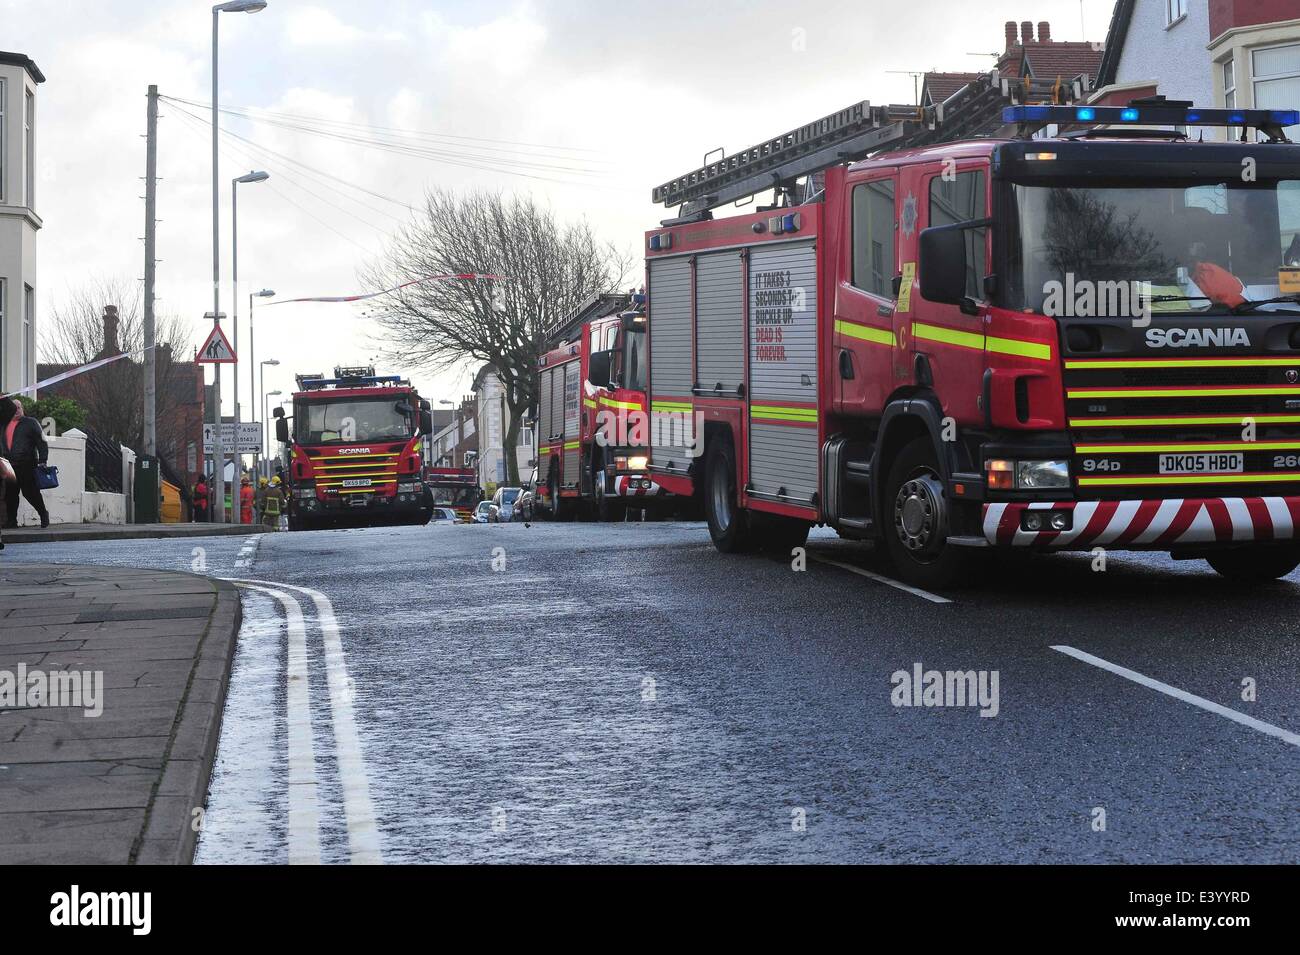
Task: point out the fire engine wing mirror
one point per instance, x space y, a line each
426 421
600 368
943 264
281 426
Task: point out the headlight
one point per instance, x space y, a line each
303 493
638 462
1032 475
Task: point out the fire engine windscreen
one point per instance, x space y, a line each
1212 244
349 420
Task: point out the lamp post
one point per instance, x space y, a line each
261 386
218 452
252 367
234 289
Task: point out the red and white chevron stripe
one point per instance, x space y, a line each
622 490
1154 524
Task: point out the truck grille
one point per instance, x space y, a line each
1127 415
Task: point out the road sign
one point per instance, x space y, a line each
248 436
216 349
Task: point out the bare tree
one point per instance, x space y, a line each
113 396
550 270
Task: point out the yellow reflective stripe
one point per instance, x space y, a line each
570 445
588 403
1178 362
358 490
1239 420
949 336
1160 448
1191 479
866 333
671 406
1179 392
546 449
775 411
626 405
1015 346
358 464
1001 346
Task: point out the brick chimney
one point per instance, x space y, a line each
1044 32
1011 33
1026 32
111 346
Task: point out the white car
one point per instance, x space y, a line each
480 515
443 515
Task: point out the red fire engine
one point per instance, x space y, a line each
592 421
456 488
354 453
908 354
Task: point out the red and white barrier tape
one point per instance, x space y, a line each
79 370
457 277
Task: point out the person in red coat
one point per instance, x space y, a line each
245 501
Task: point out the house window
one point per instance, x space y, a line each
1230 84
29 148
1275 74
29 315
1175 10
873 237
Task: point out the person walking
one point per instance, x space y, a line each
201 501
23 442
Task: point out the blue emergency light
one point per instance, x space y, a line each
1157 115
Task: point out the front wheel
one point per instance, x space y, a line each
727 525
916 521
608 506
1255 564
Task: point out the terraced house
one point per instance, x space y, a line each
19 223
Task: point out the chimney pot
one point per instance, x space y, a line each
1026 31
1044 32
1011 33
110 330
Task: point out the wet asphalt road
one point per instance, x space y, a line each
626 694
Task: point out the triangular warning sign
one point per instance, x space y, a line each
216 349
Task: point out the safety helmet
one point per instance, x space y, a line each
262 482
276 479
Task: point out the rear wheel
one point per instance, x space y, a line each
1257 564
916 521
728 526
559 510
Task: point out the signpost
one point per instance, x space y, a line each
242 438
216 351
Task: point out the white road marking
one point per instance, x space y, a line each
358 806
915 591
304 808
1268 729
248 553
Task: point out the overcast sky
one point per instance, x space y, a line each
629 95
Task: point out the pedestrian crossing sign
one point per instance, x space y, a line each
216 349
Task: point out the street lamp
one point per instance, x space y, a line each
261 386
234 285
218 452
252 358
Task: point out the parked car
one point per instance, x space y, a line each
505 505
524 506
480 515
443 515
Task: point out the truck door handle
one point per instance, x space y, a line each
846 365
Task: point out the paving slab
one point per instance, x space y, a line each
99 532
119 787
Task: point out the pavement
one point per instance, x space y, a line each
94 532
115 778
623 693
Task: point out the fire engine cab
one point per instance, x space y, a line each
1082 331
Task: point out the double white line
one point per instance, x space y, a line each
304 807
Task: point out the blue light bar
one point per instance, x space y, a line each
1156 115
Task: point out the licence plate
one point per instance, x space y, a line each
357 482
1232 463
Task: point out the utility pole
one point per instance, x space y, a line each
149 513
217 510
